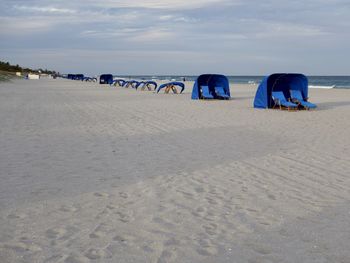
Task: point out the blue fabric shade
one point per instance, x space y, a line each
147 84
119 82
283 82
131 83
75 76
174 83
212 81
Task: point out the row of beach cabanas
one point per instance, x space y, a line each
279 90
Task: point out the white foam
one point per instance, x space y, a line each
321 87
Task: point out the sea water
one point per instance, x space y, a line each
338 82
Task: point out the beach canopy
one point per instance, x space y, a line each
118 82
211 81
146 84
283 82
132 83
172 86
106 79
90 79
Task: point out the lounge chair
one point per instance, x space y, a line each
206 94
297 97
220 92
281 101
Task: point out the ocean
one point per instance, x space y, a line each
338 82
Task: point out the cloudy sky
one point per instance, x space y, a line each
233 37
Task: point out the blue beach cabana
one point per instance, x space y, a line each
211 86
79 77
283 82
106 79
70 76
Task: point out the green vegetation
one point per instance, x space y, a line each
6 66
7 71
5 75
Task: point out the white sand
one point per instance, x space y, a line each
90 173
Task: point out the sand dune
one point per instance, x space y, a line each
91 173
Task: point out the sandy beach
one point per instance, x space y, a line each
93 173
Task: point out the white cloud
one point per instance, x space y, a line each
288 30
15 26
152 35
47 9
157 4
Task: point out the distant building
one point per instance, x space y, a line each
33 76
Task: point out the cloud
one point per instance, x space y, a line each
50 10
152 35
20 27
156 4
218 30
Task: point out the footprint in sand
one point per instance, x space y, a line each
199 190
76 259
55 233
260 248
101 194
284 232
147 249
16 216
100 231
61 234
211 229
68 208
21 247
212 201
120 238
96 253
123 195
124 216
172 242
199 212
163 222
54 259
206 248
272 197
110 207
165 257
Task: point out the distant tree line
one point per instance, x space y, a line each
6 66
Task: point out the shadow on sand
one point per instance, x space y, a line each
331 105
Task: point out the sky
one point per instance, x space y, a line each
177 37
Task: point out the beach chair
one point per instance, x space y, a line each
297 97
281 101
220 92
206 94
